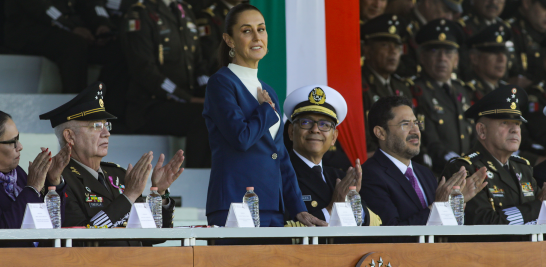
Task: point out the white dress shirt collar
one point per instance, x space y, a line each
401 166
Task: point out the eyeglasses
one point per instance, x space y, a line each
408 125
99 125
323 125
14 141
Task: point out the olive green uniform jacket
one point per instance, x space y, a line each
508 198
88 202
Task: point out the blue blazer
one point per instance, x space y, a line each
389 193
243 151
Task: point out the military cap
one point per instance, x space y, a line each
454 5
491 39
88 105
384 27
319 99
440 32
504 102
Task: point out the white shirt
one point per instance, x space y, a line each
311 165
403 168
249 77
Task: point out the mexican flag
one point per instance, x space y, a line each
317 42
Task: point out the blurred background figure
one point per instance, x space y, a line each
401 8
210 23
423 12
167 76
71 33
529 31
441 100
370 9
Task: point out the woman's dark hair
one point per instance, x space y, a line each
381 112
3 119
231 19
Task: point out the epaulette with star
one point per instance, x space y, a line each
463 20
138 5
470 159
471 84
210 10
459 81
539 86
520 159
111 164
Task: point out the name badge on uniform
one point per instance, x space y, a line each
496 192
527 189
96 205
306 197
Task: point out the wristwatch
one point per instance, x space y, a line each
167 194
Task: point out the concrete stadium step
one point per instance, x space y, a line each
33 74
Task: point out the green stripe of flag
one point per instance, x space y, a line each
272 68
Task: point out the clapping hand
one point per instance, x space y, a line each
37 170
58 163
474 184
445 187
352 178
135 179
164 176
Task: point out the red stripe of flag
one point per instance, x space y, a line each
343 60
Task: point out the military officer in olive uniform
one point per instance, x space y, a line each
441 100
423 12
483 14
210 22
168 79
511 196
101 194
71 33
382 50
529 31
488 57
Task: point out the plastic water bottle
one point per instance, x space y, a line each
353 199
251 199
456 200
53 203
155 202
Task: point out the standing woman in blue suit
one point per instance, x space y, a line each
243 124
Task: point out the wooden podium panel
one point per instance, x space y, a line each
98 256
438 254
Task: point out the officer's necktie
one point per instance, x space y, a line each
102 181
415 185
505 166
447 89
318 171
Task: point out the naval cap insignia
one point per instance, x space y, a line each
317 96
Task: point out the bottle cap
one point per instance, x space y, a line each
352 187
250 188
153 188
51 187
456 187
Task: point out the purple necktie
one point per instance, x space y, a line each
415 185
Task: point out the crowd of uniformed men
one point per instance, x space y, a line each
157 56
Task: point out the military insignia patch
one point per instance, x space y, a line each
133 25
527 189
392 29
317 96
499 39
442 36
496 192
491 165
101 103
204 30
513 105
74 170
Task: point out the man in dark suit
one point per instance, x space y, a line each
99 193
320 185
398 189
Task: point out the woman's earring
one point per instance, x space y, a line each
232 52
